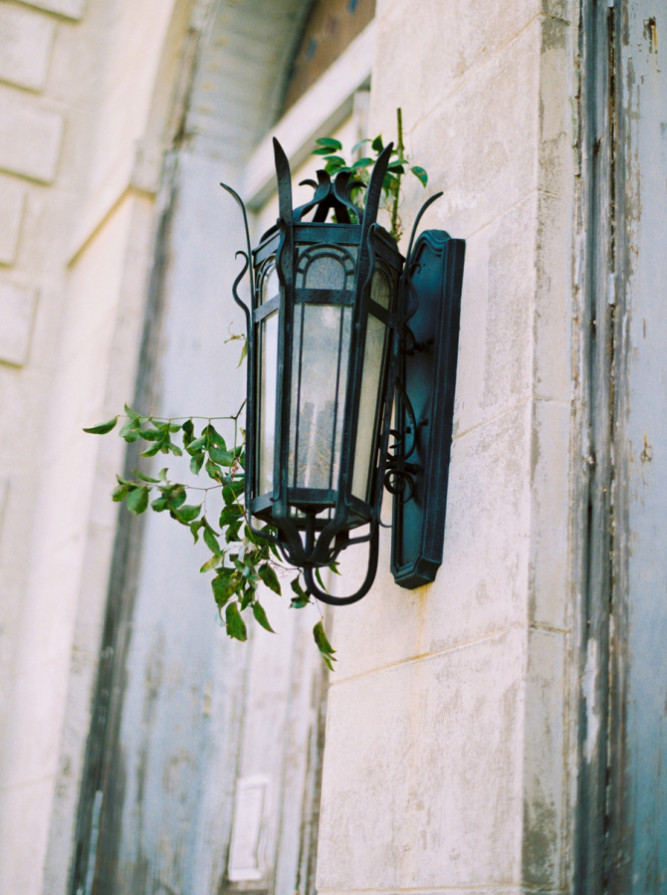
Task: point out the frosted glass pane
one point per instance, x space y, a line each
318 394
380 291
267 399
364 452
270 283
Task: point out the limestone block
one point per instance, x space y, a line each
422 773
546 743
25 47
12 201
30 140
453 35
553 362
482 585
480 145
41 706
557 116
22 844
496 342
17 309
71 9
4 492
550 514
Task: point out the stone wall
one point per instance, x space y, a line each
449 733
78 84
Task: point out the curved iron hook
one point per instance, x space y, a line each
420 215
331 600
239 202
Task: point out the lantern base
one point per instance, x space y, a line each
427 373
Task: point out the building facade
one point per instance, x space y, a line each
500 730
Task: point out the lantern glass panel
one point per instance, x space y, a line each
320 355
370 401
270 283
268 353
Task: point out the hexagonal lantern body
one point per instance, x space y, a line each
321 352
330 299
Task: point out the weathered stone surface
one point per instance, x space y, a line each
25 47
30 140
17 308
72 9
12 201
422 773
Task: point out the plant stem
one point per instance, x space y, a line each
399 147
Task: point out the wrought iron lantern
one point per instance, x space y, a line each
328 336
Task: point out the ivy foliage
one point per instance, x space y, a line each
334 163
240 560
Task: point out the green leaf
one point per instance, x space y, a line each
397 167
321 638
151 451
213 471
130 430
194 528
230 514
137 500
224 587
244 354
151 434
213 438
234 623
420 174
299 603
218 455
102 428
328 144
120 493
295 584
260 616
211 540
145 478
377 144
196 463
323 645
334 165
357 146
188 432
248 596
159 504
232 533
199 444
175 496
268 575
188 513
231 492
210 563
362 163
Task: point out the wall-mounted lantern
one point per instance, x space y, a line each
340 322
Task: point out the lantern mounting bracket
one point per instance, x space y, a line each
424 409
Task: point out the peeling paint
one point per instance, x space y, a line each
647 454
589 686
